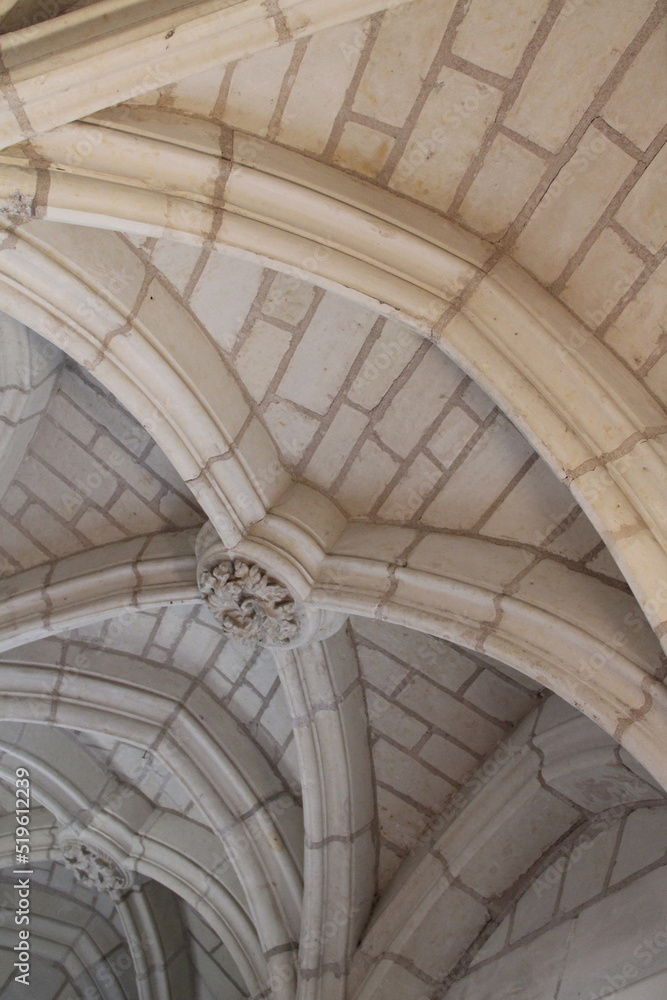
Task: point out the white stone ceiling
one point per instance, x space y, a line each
531 130
245 681
90 476
385 813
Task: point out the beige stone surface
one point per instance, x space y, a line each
467 916
432 382
255 88
437 706
487 462
495 39
260 354
362 150
643 843
175 261
199 92
643 212
334 448
325 73
656 379
397 769
638 105
387 358
536 907
292 429
288 299
586 879
499 698
324 355
518 968
358 490
570 68
210 299
399 61
389 720
502 187
453 760
410 494
639 328
258 297
578 196
554 503
448 131
602 278
452 436
623 919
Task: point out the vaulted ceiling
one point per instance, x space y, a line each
366 301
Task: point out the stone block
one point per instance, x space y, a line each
572 64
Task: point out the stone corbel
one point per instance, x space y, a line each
253 604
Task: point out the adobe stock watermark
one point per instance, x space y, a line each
421 150
22 871
599 826
635 968
108 467
587 153
242 840
104 979
78 152
390 352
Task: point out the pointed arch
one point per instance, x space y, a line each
585 413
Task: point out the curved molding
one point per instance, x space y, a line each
187 879
169 849
578 637
591 665
325 699
586 414
27 379
147 572
78 947
224 771
575 635
69 66
150 919
494 830
558 626
190 403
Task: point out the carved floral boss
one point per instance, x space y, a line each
249 604
96 870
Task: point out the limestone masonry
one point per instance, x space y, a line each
333 500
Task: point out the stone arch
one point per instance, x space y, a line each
167 849
135 38
539 786
589 418
458 588
231 781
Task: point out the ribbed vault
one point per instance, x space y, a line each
333 544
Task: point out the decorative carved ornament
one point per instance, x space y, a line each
96 870
249 604
253 602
